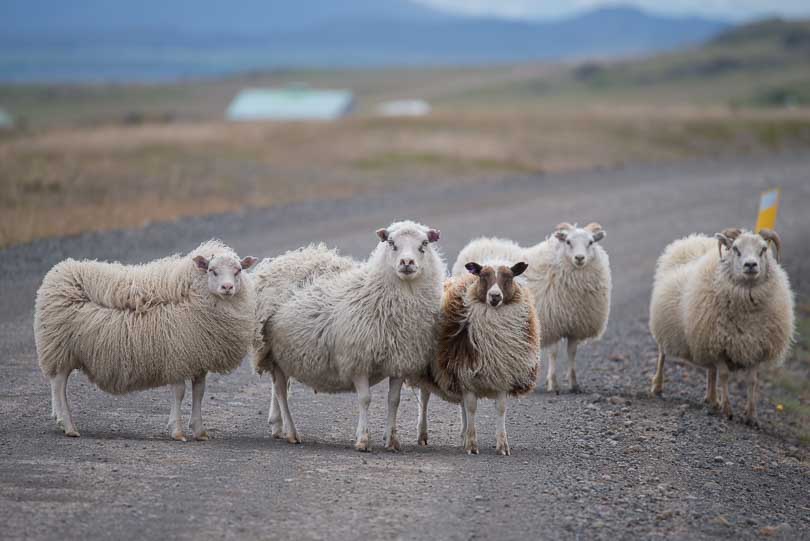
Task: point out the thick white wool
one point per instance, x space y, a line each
134 327
338 318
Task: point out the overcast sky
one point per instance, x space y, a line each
726 9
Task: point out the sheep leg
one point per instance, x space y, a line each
572 365
751 404
175 425
56 412
274 417
364 399
711 387
725 399
60 382
501 442
470 439
394 391
658 378
280 392
424 397
463 421
551 378
196 423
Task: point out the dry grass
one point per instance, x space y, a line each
63 181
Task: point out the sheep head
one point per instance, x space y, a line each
495 282
747 259
224 272
408 243
578 242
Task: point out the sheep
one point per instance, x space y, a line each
340 325
136 327
724 304
569 274
489 342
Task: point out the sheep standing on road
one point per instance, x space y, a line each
569 275
488 347
724 308
136 327
345 326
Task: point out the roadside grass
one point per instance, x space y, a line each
791 383
64 180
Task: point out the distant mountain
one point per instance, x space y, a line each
148 39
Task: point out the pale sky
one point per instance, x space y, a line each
725 9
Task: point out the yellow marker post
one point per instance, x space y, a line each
768 209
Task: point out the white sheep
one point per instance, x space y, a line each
569 274
337 325
136 327
724 308
488 347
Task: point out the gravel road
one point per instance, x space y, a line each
606 464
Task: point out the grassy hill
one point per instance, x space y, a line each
764 64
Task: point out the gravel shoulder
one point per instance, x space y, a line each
608 463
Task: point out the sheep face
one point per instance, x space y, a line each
577 243
495 282
407 249
224 273
746 258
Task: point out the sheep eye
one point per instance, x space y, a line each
393 246
736 250
568 242
590 243
763 251
214 272
422 248
237 272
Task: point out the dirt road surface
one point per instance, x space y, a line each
609 463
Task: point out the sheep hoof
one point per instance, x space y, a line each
552 386
72 433
362 444
473 450
202 436
727 411
277 433
423 440
293 438
178 436
393 444
575 389
60 424
502 446
656 391
751 421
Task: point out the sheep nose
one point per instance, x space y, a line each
407 262
750 266
495 299
227 287
579 258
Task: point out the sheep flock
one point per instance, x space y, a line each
336 324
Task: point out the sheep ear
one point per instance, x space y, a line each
201 262
722 241
774 241
519 268
561 235
596 231
383 234
433 235
473 267
248 262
